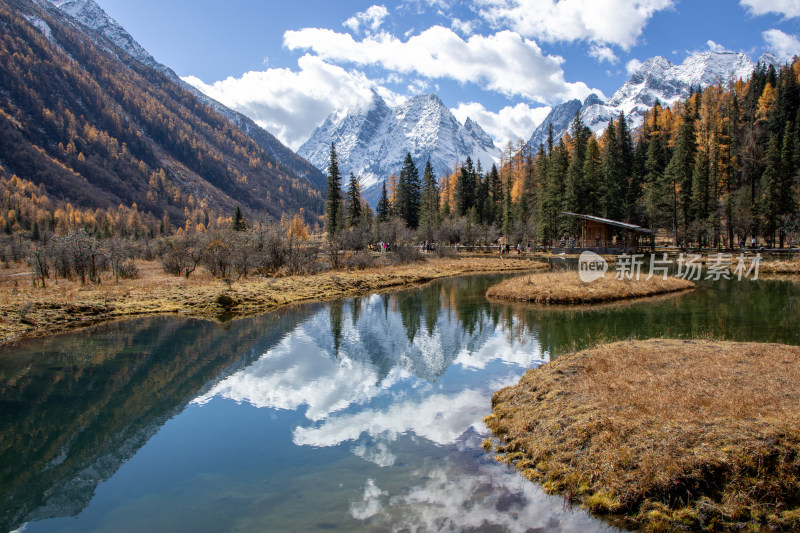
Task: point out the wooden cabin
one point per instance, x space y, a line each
611 235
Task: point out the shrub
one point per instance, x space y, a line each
403 254
358 261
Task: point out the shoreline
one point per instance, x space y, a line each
567 289
661 434
32 312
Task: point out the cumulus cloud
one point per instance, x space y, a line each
787 8
715 47
370 20
502 62
418 86
508 124
297 373
490 497
783 45
291 103
618 22
603 53
464 27
440 418
632 66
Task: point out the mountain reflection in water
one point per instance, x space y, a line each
363 414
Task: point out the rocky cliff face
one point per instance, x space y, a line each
372 142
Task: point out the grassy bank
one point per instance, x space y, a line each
27 310
663 434
790 266
567 288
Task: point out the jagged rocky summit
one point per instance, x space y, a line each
372 142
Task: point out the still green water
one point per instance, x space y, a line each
359 415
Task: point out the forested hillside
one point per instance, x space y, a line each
718 168
84 128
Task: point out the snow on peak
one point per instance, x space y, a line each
709 68
479 134
767 59
374 144
657 79
88 13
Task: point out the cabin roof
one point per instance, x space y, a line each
607 221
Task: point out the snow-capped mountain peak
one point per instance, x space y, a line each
373 142
92 15
104 30
478 133
657 79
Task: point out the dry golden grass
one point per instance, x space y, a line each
791 266
567 288
27 311
668 435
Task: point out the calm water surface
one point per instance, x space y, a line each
360 415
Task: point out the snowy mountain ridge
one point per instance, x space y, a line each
373 142
92 16
657 79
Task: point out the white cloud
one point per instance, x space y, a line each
503 62
371 19
464 27
632 66
787 8
783 45
289 103
297 373
603 53
715 47
418 86
508 124
618 22
440 418
371 504
453 498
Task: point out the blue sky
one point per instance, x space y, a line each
288 64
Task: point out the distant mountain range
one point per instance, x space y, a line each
181 146
657 79
372 143
86 112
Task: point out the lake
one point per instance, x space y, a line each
358 415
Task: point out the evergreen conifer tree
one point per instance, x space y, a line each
614 185
575 194
408 193
593 177
238 220
383 209
464 193
683 168
353 202
429 204
333 198
771 185
496 193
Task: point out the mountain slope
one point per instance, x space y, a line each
99 128
372 142
91 15
656 79
560 118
